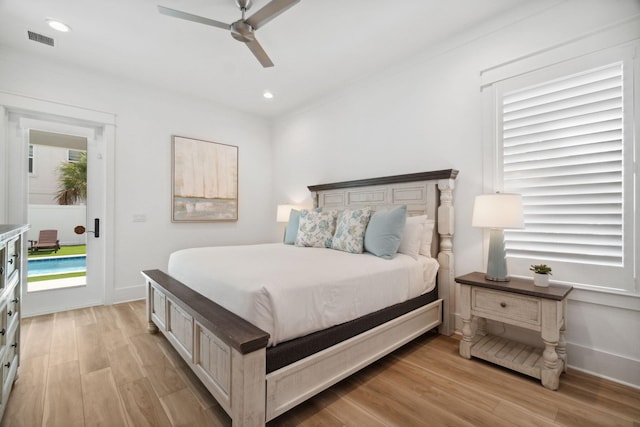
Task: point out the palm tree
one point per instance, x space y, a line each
72 181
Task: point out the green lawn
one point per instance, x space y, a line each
64 250
56 276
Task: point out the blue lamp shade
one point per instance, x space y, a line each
497 212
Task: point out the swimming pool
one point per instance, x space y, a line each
57 265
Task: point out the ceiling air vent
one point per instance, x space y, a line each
40 38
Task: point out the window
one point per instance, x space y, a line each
30 158
565 142
74 156
562 150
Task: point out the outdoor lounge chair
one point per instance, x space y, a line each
48 239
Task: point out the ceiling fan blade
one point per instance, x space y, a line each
194 18
270 11
259 53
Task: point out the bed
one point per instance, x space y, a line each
257 371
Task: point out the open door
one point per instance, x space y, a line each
20 116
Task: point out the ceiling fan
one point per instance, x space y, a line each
243 29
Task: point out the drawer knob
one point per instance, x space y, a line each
3 331
503 304
9 313
10 260
7 365
15 301
14 345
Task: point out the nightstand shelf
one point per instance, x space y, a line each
510 354
519 303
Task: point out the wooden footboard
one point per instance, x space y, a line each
225 351
228 353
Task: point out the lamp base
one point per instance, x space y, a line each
497 279
497 262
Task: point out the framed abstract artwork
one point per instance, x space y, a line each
205 181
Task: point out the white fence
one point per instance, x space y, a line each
58 217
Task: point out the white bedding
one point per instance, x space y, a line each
290 291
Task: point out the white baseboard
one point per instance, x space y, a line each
599 363
57 309
131 293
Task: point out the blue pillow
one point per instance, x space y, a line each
384 232
291 231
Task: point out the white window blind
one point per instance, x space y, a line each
563 151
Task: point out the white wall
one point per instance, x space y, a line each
420 115
427 114
145 120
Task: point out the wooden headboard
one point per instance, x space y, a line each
429 193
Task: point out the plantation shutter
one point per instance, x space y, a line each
563 151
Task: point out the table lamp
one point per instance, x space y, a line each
283 212
497 212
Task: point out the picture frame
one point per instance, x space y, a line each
204 181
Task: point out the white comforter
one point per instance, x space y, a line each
290 291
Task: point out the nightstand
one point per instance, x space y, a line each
520 303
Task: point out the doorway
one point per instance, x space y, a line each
57 207
44 116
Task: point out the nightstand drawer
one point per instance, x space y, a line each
502 306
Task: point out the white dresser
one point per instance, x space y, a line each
11 277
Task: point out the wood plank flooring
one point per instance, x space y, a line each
98 367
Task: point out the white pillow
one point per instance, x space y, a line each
412 236
427 237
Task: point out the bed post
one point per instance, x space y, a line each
446 273
248 388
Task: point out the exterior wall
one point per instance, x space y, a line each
57 217
43 182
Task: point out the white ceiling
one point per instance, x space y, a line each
317 45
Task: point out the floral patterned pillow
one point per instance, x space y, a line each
316 228
349 236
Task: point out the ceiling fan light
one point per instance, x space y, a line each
58 26
267 94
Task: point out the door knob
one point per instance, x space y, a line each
79 229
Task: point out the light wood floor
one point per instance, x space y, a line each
99 367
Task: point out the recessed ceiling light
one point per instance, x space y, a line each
57 25
267 94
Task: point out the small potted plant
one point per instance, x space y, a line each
541 273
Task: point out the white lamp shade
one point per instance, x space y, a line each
283 212
499 210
